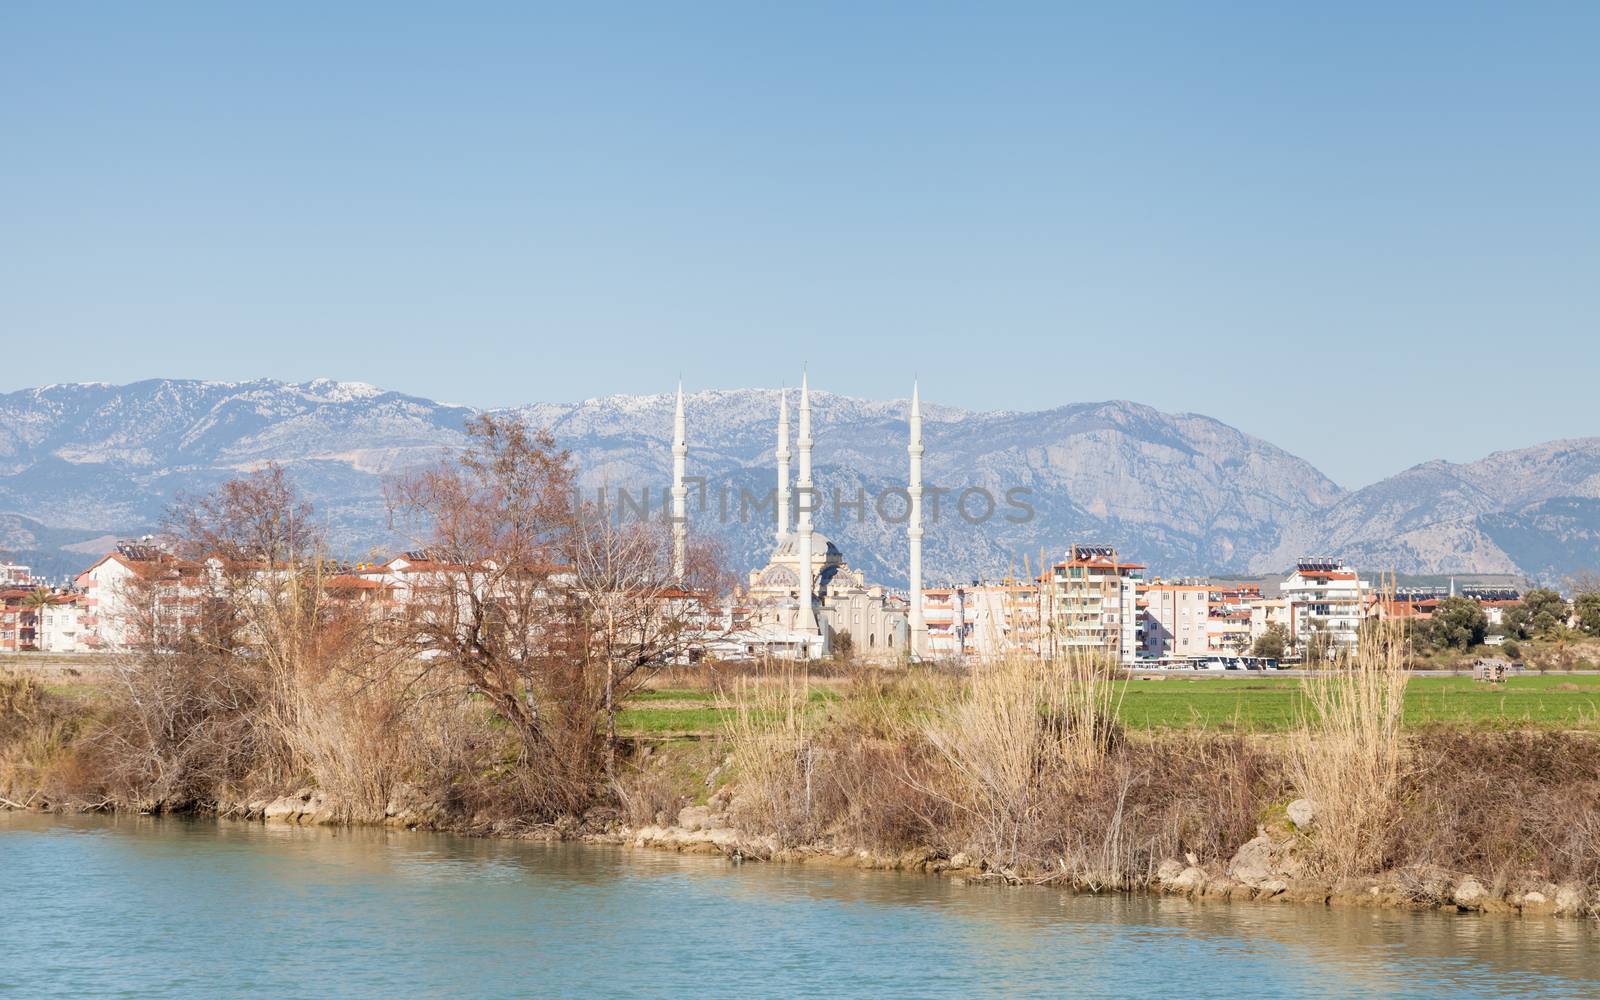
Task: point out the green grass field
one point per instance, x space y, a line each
1233 704
1270 704
1259 704
685 710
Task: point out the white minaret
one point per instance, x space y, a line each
806 622
680 492
919 629
783 464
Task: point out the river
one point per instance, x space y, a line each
137 907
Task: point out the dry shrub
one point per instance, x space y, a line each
41 763
485 775
881 793
1084 698
1155 799
452 741
892 704
353 739
1210 792
868 799
185 724
881 774
773 736
649 795
1024 730
994 740
1506 806
1018 764
1346 755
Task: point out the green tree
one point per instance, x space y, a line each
1413 633
1272 642
844 646
1587 605
1319 647
1542 615
1458 623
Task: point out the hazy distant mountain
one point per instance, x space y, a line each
50 552
1534 511
1181 492
110 459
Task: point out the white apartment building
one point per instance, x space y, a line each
1327 596
174 592
1266 613
107 605
61 627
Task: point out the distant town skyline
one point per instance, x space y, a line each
1368 235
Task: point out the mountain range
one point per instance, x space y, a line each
83 464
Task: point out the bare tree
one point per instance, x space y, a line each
243 654
1583 582
636 616
489 596
259 518
554 611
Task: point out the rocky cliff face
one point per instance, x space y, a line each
1181 492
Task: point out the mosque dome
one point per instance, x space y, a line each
821 547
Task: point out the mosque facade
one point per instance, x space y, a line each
806 602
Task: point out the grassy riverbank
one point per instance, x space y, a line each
1409 790
1365 782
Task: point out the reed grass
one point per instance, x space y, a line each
1023 729
1347 755
771 731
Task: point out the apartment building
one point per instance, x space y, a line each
1092 603
56 626
1176 618
16 621
1324 596
1266 613
981 619
1228 621
60 626
139 587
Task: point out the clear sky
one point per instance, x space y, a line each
1368 233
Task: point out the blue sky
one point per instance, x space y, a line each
1367 233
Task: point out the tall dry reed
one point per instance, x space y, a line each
1346 754
354 741
1021 730
772 733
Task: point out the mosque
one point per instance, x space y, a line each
807 602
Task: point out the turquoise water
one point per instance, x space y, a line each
170 908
